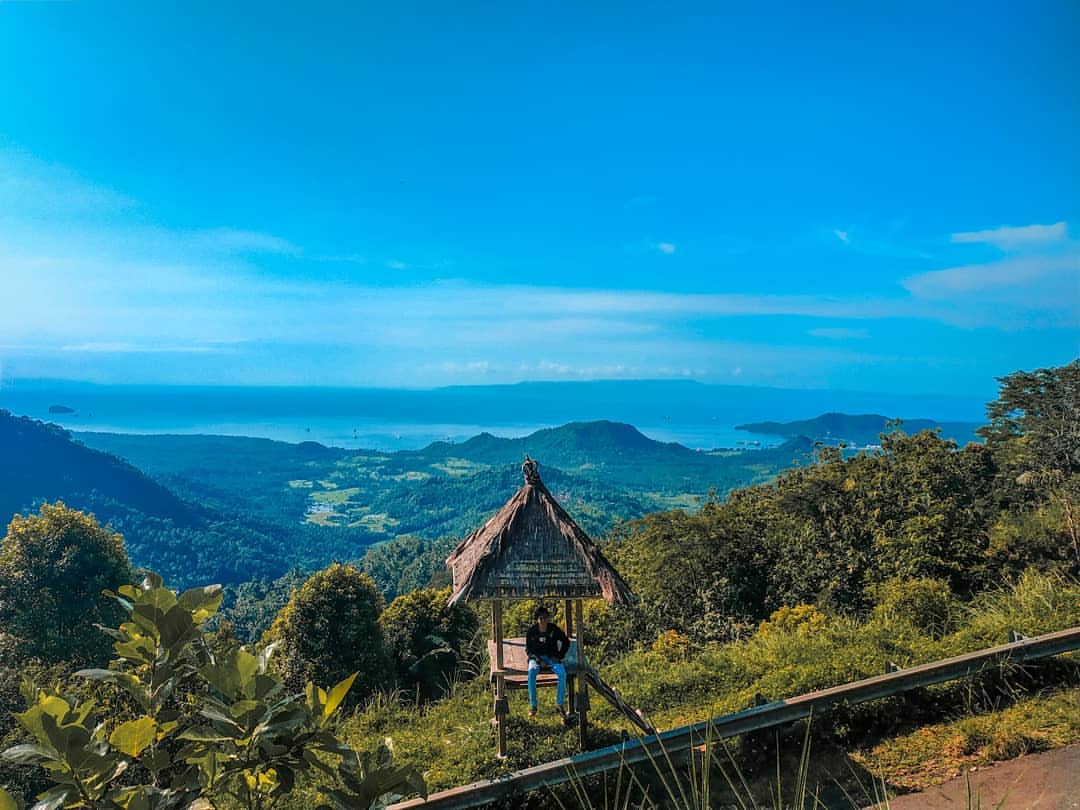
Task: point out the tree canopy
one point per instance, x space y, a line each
426 638
329 629
54 567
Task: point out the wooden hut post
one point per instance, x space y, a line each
502 707
571 679
583 687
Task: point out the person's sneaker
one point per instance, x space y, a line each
532 711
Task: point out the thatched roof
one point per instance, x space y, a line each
532 548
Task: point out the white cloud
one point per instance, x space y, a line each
1010 273
35 188
665 247
1008 238
468 368
396 265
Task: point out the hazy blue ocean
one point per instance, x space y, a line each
692 414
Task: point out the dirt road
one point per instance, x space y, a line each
1046 781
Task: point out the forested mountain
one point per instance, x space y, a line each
184 536
225 509
609 471
44 464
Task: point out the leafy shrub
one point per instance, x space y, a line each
928 604
211 725
671 646
426 638
798 619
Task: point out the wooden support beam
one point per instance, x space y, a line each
571 680
581 703
501 704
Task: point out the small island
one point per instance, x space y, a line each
60 409
862 430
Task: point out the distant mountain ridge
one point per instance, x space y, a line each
607 470
860 429
567 446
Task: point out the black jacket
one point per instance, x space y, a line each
553 643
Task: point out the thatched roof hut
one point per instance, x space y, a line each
533 548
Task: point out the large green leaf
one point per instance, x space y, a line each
46 706
285 722
68 740
337 694
7 801
232 674
55 798
205 734
202 602
133 736
242 708
141 649
28 754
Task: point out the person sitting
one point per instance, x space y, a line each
546 645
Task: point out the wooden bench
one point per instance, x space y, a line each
516 664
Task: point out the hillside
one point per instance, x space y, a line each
185 537
46 464
859 430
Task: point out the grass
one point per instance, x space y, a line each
999 715
941 751
333 495
374 521
459 466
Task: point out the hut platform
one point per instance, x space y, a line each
516 664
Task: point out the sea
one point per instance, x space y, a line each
696 415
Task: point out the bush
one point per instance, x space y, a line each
212 723
798 619
928 604
426 638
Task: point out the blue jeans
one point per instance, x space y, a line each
557 668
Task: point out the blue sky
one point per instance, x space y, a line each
409 194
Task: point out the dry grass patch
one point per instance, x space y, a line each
936 753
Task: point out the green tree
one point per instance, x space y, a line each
426 638
930 510
252 606
1034 434
1035 421
329 629
698 574
54 567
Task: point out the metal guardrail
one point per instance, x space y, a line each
759 717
